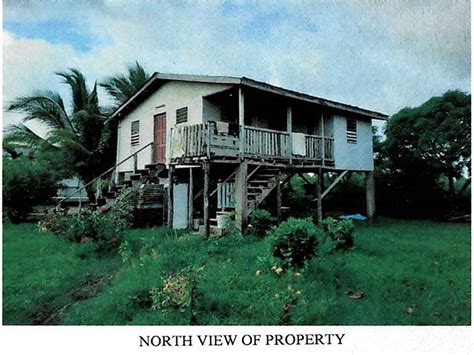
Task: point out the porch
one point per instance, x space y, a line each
225 141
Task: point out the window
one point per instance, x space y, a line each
182 115
351 130
135 133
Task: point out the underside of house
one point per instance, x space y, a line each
220 146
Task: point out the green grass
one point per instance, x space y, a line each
43 275
411 273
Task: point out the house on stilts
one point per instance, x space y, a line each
222 145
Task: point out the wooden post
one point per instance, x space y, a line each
241 196
98 189
319 188
278 199
207 228
241 123
289 129
135 163
370 194
323 140
152 154
170 195
190 199
80 195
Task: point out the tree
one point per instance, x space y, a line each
121 87
428 144
79 137
27 182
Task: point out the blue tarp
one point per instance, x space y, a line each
354 217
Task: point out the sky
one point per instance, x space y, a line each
379 55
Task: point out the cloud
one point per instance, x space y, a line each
378 55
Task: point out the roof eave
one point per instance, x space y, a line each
313 99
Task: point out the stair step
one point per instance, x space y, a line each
270 171
110 194
251 187
152 166
266 175
135 177
142 172
225 213
258 182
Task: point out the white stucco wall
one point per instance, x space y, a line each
168 98
357 156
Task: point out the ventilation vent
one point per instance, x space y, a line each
135 133
182 115
351 131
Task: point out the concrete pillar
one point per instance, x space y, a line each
241 196
370 194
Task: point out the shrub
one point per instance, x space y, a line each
341 233
103 228
294 241
176 292
87 226
261 221
26 183
122 210
50 223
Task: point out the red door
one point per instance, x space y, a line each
160 138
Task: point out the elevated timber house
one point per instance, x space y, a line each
224 144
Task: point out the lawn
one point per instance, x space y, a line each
399 273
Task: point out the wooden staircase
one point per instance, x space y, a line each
260 183
145 182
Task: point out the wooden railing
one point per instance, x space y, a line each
202 140
314 148
189 141
265 142
329 149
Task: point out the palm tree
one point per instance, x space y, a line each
121 87
78 135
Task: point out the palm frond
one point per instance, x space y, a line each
20 136
46 107
77 83
68 141
121 87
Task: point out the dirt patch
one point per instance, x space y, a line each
50 312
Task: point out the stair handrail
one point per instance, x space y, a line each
223 182
253 172
104 173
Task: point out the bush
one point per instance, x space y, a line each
341 233
294 241
26 183
88 226
103 228
261 221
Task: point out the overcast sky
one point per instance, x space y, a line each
377 55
